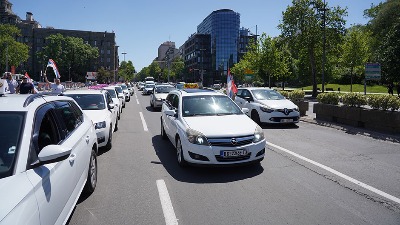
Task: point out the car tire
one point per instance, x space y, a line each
179 153
109 142
116 125
255 117
163 134
91 180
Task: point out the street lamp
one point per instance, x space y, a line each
324 48
124 53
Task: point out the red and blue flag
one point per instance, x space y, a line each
53 65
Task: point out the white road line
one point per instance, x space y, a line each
143 122
137 101
168 210
337 173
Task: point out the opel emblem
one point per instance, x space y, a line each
234 141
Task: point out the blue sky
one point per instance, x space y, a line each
141 26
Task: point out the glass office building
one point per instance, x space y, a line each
223 26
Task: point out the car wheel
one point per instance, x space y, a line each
116 125
255 117
163 134
179 153
91 180
109 142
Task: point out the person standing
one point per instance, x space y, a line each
390 89
398 89
12 84
26 87
55 87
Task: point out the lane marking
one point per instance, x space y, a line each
337 173
168 209
137 101
143 122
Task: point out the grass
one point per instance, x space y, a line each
356 88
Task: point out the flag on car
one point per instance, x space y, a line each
52 64
231 88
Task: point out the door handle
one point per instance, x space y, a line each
72 157
87 139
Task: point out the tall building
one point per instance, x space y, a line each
218 44
34 35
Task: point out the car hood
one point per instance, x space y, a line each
97 115
161 95
278 104
13 190
222 126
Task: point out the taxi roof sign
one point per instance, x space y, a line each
191 86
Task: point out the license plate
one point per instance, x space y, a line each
286 120
235 153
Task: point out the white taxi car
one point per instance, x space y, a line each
48 156
267 106
99 106
159 94
208 128
117 101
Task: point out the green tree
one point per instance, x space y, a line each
72 55
355 51
302 27
11 50
154 70
384 24
177 68
104 76
126 70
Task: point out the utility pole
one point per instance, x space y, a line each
324 49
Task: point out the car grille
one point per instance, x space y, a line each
232 159
231 142
285 111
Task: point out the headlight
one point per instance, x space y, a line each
158 99
100 125
196 137
258 134
266 108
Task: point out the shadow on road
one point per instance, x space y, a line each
279 126
166 153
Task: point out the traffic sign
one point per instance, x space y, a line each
372 71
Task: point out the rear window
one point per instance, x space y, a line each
10 135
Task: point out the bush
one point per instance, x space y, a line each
296 95
384 102
328 98
284 93
354 99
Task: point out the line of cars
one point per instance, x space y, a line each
48 151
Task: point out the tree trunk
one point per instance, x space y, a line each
313 71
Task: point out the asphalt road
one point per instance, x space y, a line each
311 175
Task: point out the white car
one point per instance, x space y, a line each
148 89
100 108
159 94
126 92
267 106
48 156
117 101
208 128
121 94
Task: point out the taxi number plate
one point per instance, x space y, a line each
235 153
286 120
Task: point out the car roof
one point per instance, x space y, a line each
256 88
197 92
24 102
84 91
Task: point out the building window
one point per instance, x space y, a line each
102 51
95 43
108 60
108 51
101 60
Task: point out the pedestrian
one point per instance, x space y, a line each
25 87
398 89
12 84
390 89
55 87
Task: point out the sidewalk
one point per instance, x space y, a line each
310 117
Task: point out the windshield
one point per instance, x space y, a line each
10 135
209 106
89 101
112 93
149 86
179 86
266 94
119 90
124 87
164 89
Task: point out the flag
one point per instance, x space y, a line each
52 64
29 78
231 88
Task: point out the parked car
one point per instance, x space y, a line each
208 128
148 89
117 101
100 108
159 94
267 106
48 156
126 92
121 94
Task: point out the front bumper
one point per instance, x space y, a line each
279 117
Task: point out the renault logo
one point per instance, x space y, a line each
286 111
233 141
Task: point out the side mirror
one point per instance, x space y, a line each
111 105
120 95
54 153
171 113
248 98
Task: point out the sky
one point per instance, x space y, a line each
142 26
